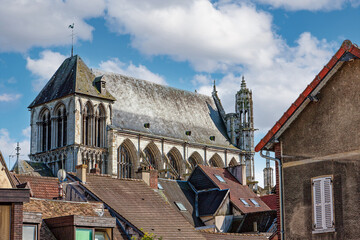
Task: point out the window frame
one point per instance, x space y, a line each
36 234
220 178
253 201
322 179
243 200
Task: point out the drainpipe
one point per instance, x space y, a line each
280 192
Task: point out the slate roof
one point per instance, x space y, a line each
170 111
180 191
237 190
32 168
347 51
73 76
142 206
41 187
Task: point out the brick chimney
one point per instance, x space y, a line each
239 172
95 170
150 177
81 172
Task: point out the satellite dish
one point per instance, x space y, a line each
61 174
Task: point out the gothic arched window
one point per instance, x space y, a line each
216 161
150 158
124 163
61 126
88 125
100 127
44 129
173 163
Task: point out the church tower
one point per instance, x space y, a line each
244 127
268 175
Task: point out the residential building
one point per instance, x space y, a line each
316 144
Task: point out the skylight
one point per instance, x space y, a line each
219 178
245 202
160 187
255 202
180 206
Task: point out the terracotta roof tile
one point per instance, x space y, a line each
237 190
142 206
42 187
270 200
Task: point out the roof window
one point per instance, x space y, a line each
180 206
245 202
160 187
255 202
220 178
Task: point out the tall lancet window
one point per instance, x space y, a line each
124 162
100 127
61 126
88 125
44 129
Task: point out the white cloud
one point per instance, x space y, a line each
141 72
311 5
44 67
8 145
276 86
201 79
210 36
27 23
5 97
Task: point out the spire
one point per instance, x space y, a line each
214 87
243 83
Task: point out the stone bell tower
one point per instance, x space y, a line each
244 127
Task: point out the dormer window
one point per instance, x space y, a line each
100 84
255 202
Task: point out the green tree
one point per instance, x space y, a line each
147 236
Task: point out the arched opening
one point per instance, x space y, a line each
216 161
126 159
100 126
175 160
44 130
152 155
88 124
61 125
233 162
195 159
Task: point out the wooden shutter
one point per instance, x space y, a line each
323 203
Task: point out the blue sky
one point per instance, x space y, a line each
279 45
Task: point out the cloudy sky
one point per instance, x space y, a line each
278 45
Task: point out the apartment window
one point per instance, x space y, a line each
323 204
29 232
245 202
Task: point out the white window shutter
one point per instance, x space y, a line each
328 203
317 199
323 203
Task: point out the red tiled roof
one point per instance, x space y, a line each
233 236
270 200
41 187
142 206
346 47
237 190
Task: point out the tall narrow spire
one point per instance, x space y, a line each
214 87
72 39
243 83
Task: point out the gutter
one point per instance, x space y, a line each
280 191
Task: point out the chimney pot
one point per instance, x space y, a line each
81 172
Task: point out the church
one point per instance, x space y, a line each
122 125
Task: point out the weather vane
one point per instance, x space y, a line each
72 38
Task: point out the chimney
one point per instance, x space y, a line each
239 172
150 177
255 226
81 172
95 170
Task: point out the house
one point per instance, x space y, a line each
12 200
214 200
317 149
122 125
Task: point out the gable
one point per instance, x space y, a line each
5 180
200 180
330 125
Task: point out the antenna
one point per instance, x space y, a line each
72 38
